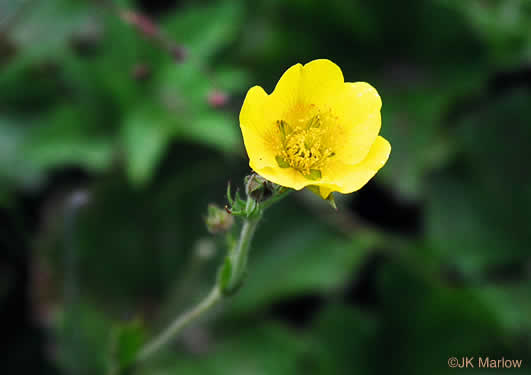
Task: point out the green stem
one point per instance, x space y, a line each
238 257
240 254
178 324
275 199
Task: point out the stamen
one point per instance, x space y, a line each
302 146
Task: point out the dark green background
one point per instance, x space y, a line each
110 153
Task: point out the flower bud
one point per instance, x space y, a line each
179 53
217 99
141 22
258 187
218 219
205 248
141 72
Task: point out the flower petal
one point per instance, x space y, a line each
325 190
286 92
358 118
287 177
321 81
317 82
346 178
257 129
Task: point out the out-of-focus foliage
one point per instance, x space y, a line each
90 101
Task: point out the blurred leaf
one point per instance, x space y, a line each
145 135
143 235
232 80
428 322
42 29
185 90
215 129
66 137
184 87
83 339
294 255
18 94
204 30
15 168
346 340
504 25
415 123
512 306
127 341
476 218
264 349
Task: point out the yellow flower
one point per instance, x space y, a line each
315 130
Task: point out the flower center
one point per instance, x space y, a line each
303 147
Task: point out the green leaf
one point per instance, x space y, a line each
514 318
127 340
146 136
422 148
232 79
268 348
185 90
473 212
214 129
67 136
346 338
43 29
204 39
15 167
416 308
310 259
83 339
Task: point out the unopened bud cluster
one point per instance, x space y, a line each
218 220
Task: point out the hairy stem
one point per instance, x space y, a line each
179 323
238 257
240 253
